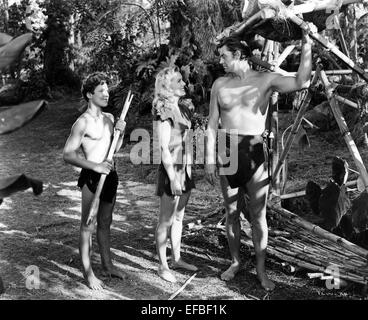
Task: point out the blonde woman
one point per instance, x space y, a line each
172 115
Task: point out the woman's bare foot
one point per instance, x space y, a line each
266 283
93 282
181 264
166 274
230 273
113 272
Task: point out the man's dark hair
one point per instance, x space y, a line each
234 43
92 81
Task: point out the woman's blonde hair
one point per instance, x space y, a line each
162 84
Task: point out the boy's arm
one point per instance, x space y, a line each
73 143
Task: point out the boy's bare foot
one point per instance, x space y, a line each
266 283
113 272
166 274
93 282
181 264
230 273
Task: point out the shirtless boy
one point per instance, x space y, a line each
92 133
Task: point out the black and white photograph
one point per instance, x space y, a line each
184 157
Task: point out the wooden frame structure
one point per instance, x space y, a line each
270 53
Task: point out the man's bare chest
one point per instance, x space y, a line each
236 96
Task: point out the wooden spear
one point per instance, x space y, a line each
96 199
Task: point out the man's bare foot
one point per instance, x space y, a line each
113 272
266 283
93 282
166 274
181 264
230 273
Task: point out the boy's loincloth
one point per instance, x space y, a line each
91 179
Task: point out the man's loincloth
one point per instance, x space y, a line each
251 155
91 179
163 182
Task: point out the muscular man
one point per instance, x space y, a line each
239 100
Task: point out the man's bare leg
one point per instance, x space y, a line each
257 189
85 242
176 233
168 206
232 228
104 220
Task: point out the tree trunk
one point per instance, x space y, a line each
5 9
196 23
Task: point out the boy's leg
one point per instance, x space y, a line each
104 220
85 241
176 233
257 189
232 227
168 205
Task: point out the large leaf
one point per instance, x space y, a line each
17 183
4 39
11 51
16 116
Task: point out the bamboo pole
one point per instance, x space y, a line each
321 40
284 55
321 232
295 128
346 101
345 130
311 6
330 72
274 130
311 266
182 287
341 36
302 193
318 253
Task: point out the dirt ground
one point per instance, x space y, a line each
41 232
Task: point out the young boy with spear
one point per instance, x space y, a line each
93 133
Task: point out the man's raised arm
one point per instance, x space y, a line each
284 84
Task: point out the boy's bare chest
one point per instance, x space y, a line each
99 131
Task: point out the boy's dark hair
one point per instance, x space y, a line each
234 43
92 81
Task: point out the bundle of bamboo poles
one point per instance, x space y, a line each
314 248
